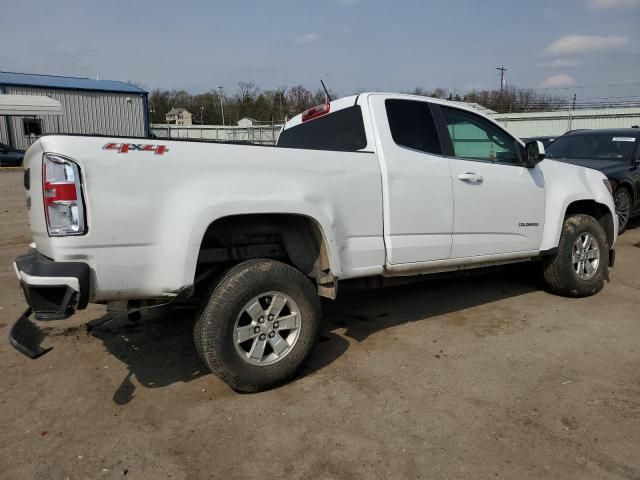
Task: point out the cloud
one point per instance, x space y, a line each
602 4
561 80
308 38
561 63
575 44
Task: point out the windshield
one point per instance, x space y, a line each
592 146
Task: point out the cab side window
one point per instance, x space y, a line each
474 138
412 125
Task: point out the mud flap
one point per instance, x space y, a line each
25 336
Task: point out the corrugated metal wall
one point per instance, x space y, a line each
556 123
85 112
4 134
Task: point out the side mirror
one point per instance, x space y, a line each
535 153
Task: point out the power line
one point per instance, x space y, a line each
569 100
635 82
577 106
624 97
565 101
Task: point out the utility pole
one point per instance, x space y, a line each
151 112
572 112
502 70
221 105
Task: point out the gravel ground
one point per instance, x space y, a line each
481 377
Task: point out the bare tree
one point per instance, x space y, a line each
274 105
299 99
248 91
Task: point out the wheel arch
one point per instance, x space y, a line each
599 211
296 238
629 185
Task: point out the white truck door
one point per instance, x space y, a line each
499 202
416 181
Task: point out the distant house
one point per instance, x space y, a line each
179 116
247 122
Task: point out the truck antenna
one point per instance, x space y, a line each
326 92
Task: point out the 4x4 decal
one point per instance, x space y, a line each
129 147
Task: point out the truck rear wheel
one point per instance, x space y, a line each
258 325
580 266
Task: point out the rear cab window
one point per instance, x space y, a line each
342 130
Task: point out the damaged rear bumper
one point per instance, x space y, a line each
53 290
25 336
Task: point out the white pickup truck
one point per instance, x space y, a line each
370 185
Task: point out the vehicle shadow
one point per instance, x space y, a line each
633 224
159 349
359 313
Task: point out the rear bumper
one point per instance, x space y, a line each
54 290
25 336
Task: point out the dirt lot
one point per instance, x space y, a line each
481 377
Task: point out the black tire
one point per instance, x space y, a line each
214 329
622 199
559 271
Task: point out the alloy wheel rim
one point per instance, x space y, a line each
267 328
623 205
585 256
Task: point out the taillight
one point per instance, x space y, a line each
316 112
62 192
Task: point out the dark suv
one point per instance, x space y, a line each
546 140
10 157
616 153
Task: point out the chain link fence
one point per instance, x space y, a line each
257 134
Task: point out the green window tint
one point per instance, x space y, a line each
475 138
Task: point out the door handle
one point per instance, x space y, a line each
470 177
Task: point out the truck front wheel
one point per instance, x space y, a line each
258 325
579 267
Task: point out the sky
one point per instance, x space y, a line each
587 47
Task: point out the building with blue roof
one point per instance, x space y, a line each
90 107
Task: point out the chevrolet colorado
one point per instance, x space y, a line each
377 185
